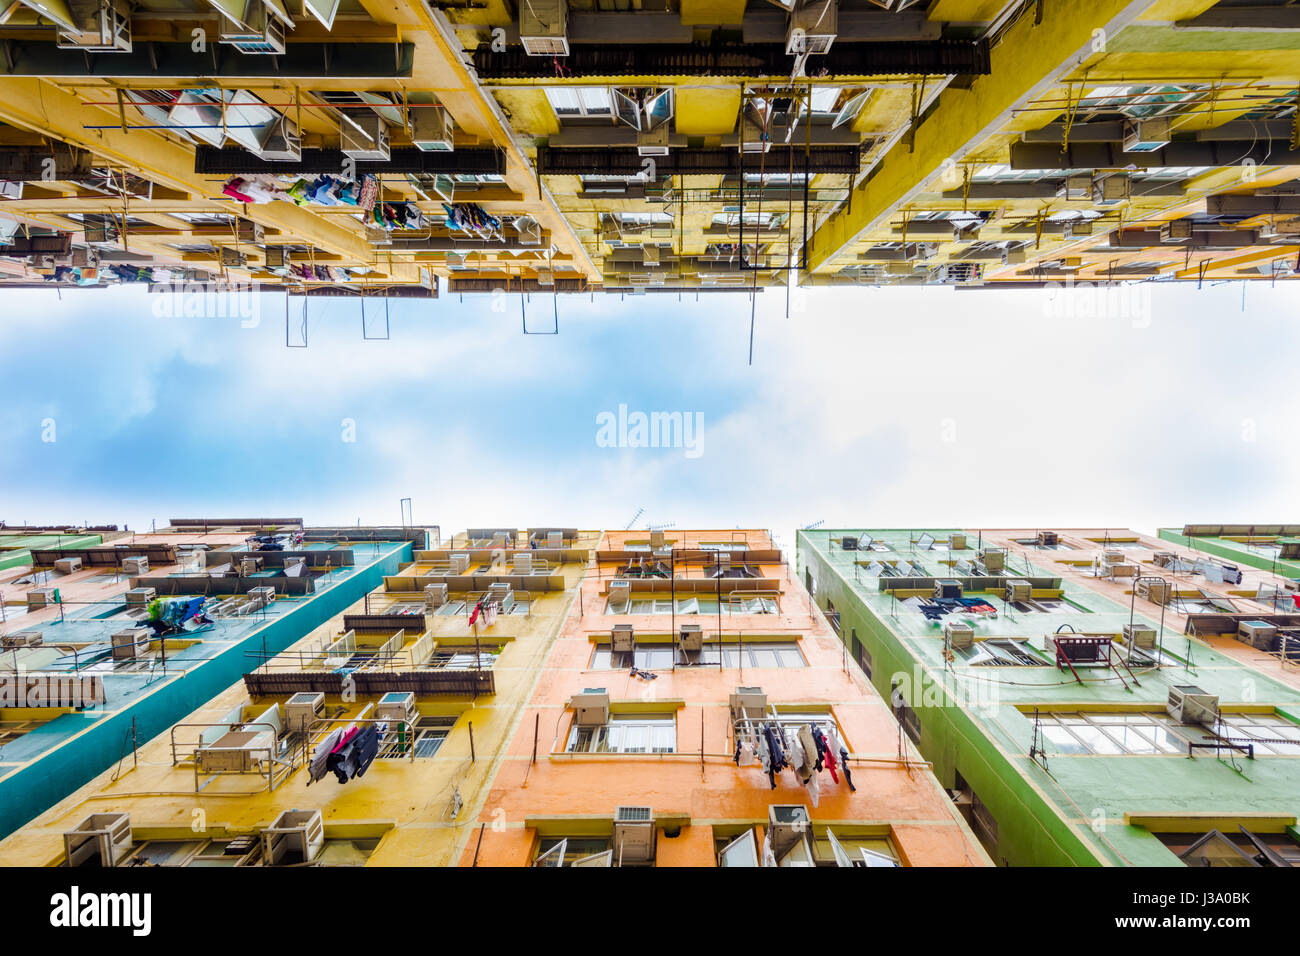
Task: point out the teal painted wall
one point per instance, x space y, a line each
32 789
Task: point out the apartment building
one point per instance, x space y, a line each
433 663
1087 696
105 644
634 748
346 147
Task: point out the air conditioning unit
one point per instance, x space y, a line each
301 709
502 594
620 592
433 129
104 26
752 138
397 707
131 643
363 135
295 836
529 233
67 565
249 566
634 835
262 596
1139 635
1179 230
690 638
654 142
522 563
656 540
1189 704
544 27
959 636
260 31
1258 634
459 562
747 702
1164 559
233 258
40 597
1018 589
591 707
101 839
435 595
849 543
812 27
947 588
1011 257
283 144
555 539
622 639
1109 190
787 824
1077 188
956 542
1146 135
21 639
140 597
277 257
993 559
1153 590
1076 228
1048 538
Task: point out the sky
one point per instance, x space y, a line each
1141 407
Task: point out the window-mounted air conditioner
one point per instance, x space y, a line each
40 597
544 27
1077 188
1155 591
1178 230
67 565
260 29
459 562
849 543
956 542
620 592
993 559
140 597
1258 634
1018 589
435 595
276 257
1048 538
295 836
1189 704
301 709
545 277
249 566
622 639
433 129
812 27
261 597
690 638
283 143
131 643
1140 636
752 138
787 824
1076 228
1014 256
959 635
103 26
135 565
1110 189
397 708
591 707
101 839
634 835
947 588
21 639
529 233
363 135
522 563
1146 135
653 142
747 702
233 258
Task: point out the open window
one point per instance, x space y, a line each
742 851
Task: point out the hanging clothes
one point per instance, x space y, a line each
773 742
368 746
769 858
316 768
836 744
820 743
809 748
814 790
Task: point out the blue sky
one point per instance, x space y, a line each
866 407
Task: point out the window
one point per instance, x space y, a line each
626 735
570 101
570 851
845 848
740 851
1158 733
706 605
430 732
1233 848
905 715
999 652
1047 606
464 658
983 822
